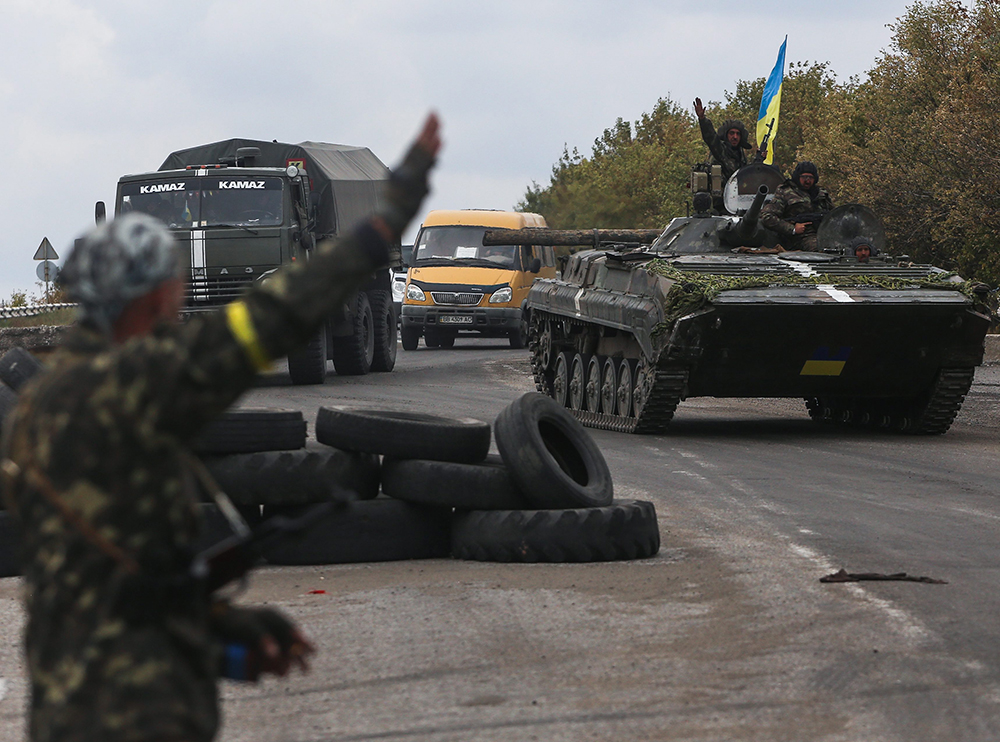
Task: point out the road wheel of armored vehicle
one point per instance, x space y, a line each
410 337
400 434
578 381
561 379
384 317
626 387
626 529
250 430
353 355
551 456
484 486
307 365
17 366
609 386
592 392
545 346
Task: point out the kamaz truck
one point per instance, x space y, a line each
240 209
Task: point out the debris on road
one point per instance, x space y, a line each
844 576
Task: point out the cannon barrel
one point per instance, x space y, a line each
568 237
745 228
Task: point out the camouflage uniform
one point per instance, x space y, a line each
730 158
113 656
791 200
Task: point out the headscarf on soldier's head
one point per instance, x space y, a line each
117 262
806 167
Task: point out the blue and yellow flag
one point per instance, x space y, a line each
770 104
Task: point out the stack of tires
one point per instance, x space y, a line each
546 498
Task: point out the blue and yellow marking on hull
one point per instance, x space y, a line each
826 361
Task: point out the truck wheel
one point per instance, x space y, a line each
353 355
411 337
485 486
307 365
249 430
10 545
519 337
302 477
17 366
550 456
409 435
626 529
384 316
379 530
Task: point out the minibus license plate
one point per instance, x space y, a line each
455 319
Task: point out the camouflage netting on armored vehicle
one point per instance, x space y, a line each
711 308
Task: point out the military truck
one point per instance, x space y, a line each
242 208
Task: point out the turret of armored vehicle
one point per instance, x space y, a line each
712 306
240 208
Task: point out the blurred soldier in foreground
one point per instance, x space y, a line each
728 145
121 642
797 208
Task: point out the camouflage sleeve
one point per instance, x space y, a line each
707 131
771 216
193 372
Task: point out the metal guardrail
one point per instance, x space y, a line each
31 310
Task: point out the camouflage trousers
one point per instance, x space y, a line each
143 686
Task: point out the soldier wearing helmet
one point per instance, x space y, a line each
728 145
797 208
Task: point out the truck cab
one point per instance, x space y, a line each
240 209
455 286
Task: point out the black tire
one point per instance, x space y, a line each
553 460
250 430
432 338
384 317
8 400
17 366
485 486
302 477
626 529
410 337
10 545
446 341
411 435
353 355
307 365
519 338
380 530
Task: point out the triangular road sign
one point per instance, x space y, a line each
45 251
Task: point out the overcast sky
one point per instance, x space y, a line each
94 90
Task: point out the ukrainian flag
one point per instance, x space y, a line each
770 103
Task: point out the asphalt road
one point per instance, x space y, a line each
726 634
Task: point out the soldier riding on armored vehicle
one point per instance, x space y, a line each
711 306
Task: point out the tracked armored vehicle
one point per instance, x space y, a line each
711 306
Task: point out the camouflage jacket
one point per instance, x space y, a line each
789 202
108 428
730 159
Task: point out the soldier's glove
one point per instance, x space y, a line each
407 184
257 640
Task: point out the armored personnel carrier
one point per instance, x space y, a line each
712 306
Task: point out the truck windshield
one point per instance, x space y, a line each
207 202
462 245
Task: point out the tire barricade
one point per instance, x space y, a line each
408 485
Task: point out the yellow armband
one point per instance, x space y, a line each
241 325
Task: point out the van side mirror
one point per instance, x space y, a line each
535 265
100 212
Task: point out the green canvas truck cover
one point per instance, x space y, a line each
348 180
